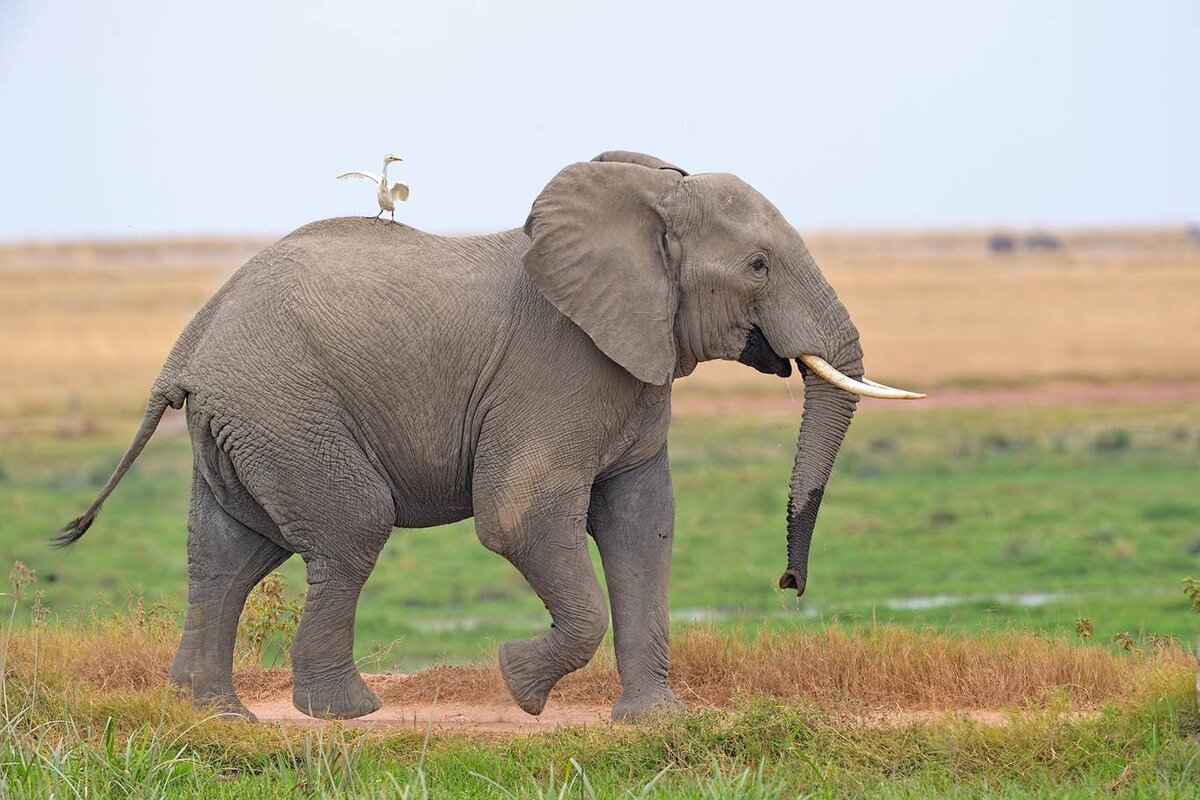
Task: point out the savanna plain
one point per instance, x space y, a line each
998 603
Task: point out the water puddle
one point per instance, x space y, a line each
1023 599
445 624
700 614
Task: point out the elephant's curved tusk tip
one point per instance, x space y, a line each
864 387
791 579
908 395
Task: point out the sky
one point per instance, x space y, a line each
151 118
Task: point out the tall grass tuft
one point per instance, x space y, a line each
889 667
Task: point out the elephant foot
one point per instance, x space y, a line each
228 707
646 705
528 675
346 699
215 699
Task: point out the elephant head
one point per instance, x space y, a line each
663 269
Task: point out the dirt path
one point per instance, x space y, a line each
465 717
493 713
477 703
507 718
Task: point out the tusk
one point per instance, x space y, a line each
866 388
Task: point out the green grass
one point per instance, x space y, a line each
116 748
775 753
1029 517
71 726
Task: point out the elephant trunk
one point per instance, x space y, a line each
827 414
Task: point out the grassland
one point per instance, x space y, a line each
788 715
958 518
92 322
961 547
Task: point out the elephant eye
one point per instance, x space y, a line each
759 264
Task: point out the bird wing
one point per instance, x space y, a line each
371 176
399 192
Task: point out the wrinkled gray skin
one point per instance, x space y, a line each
360 376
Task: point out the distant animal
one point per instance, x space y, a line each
1001 243
1042 241
355 377
387 197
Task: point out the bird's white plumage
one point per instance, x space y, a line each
387 197
371 176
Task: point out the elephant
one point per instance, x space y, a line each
360 375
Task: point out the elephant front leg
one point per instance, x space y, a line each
550 550
632 517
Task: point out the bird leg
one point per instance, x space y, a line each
377 216
393 215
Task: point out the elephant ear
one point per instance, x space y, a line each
596 254
630 157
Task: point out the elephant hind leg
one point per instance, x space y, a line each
327 681
340 537
225 561
332 508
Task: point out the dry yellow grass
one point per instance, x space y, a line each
939 309
85 326
890 668
887 668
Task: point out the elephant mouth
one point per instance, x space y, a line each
758 354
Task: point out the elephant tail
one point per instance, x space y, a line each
166 392
73 530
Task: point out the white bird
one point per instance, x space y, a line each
387 197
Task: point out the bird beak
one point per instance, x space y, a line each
395 158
